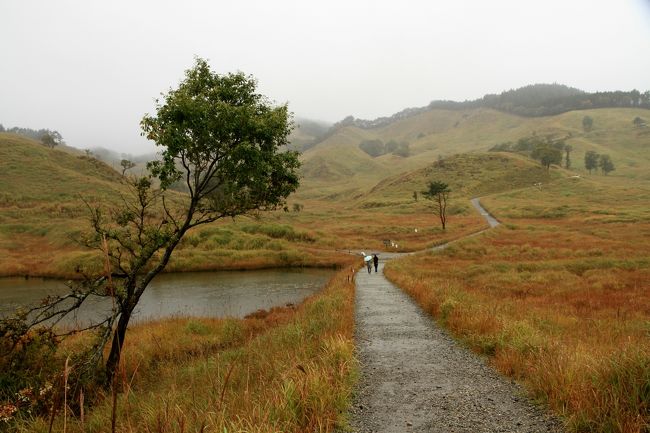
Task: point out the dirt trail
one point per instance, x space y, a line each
415 377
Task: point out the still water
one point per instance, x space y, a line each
201 294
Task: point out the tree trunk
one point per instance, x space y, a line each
113 361
442 210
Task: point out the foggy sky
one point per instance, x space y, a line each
91 69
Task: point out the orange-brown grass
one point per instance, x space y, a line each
284 370
347 227
558 297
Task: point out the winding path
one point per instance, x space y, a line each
415 377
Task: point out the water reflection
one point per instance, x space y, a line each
211 294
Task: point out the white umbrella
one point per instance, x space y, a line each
367 258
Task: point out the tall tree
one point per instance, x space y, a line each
223 140
591 160
567 159
606 164
587 123
438 192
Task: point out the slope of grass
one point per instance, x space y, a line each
32 173
468 175
40 203
42 213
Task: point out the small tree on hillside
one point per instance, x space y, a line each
126 165
567 159
587 123
438 192
223 140
51 139
591 160
547 155
373 148
639 122
606 164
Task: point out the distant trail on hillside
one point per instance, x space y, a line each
416 378
493 222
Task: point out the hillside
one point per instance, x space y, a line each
468 175
339 163
42 216
33 174
41 211
347 199
534 100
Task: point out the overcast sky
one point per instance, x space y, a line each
90 69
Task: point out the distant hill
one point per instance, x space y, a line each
531 101
113 159
339 164
307 133
35 134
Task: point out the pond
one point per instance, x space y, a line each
199 294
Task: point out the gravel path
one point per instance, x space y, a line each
415 377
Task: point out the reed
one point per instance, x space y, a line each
287 369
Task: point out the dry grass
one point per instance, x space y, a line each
282 370
559 298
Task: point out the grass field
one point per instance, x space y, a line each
558 297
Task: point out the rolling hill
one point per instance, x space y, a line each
347 199
33 174
41 210
338 163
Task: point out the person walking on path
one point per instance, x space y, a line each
368 260
375 260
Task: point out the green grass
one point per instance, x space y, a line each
337 166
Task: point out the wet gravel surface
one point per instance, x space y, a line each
415 377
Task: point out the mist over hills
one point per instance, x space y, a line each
536 100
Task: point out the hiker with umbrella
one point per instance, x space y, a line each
368 260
